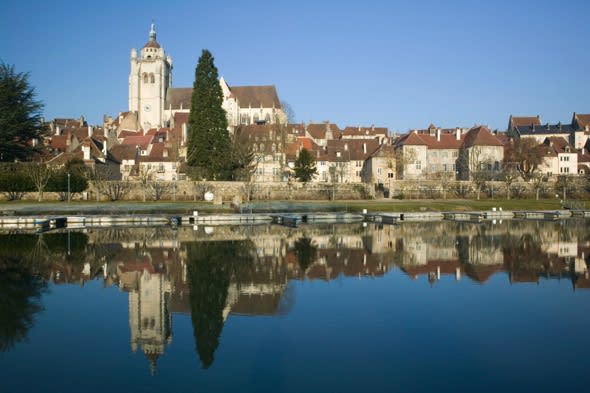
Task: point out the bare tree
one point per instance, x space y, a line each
40 174
101 176
444 180
144 175
525 154
509 175
537 180
289 112
158 189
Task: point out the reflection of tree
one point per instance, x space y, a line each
523 258
20 290
211 266
306 252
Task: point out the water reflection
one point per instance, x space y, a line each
215 272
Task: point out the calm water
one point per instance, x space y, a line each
345 308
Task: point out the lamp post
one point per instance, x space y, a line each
69 195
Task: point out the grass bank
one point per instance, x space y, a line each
184 207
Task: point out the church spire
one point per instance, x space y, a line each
152 31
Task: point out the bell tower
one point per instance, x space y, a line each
149 79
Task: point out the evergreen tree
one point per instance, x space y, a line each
20 117
209 145
305 168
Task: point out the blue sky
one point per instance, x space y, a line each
390 63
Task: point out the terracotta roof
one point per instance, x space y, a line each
142 141
159 153
411 139
349 149
523 121
60 142
446 141
123 152
481 136
555 145
256 96
582 120
64 158
319 130
126 133
367 131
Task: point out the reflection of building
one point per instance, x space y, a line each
149 317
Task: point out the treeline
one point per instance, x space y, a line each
19 178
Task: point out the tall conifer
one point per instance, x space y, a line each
209 144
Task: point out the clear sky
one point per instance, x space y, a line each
399 64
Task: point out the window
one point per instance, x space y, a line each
145 77
390 175
378 171
267 118
418 165
455 154
152 78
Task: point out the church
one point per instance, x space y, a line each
155 101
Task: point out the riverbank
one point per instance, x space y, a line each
115 208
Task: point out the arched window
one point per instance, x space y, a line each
262 147
152 78
274 147
267 118
244 119
145 77
255 118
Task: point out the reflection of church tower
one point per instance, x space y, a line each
149 316
149 79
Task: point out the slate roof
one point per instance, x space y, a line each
177 97
581 120
256 96
544 129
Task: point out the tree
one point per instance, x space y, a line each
289 112
65 187
21 124
243 159
14 182
524 154
40 174
305 168
209 145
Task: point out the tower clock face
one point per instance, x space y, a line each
147 107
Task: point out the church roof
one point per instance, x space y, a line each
152 44
256 96
178 97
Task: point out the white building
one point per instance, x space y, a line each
152 96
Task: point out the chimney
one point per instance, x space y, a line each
57 130
86 152
364 148
184 133
104 148
458 133
89 131
587 128
345 146
438 134
165 153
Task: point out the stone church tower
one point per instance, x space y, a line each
149 80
